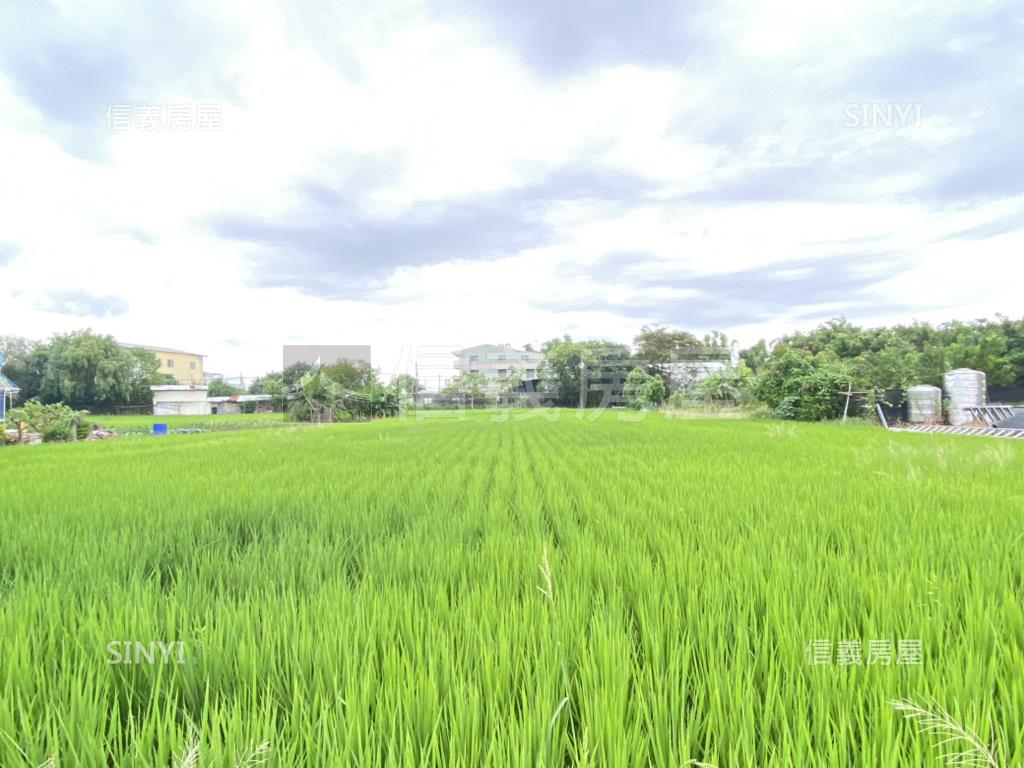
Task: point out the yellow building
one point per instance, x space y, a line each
185 367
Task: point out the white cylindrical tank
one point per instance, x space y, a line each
924 404
965 388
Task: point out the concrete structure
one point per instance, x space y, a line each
495 361
965 389
237 403
924 404
180 399
185 367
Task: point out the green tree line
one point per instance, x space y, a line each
81 369
799 374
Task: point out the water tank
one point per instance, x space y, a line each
924 404
965 388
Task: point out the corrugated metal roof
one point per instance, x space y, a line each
239 399
8 385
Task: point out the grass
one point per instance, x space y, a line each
532 592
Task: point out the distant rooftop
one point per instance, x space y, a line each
8 385
157 349
494 348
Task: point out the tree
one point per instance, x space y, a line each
407 384
472 385
567 362
643 390
799 386
730 386
220 388
402 390
320 395
511 381
87 370
919 353
270 384
658 347
756 356
354 376
142 367
676 356
294 373
53 423
379 400
24 361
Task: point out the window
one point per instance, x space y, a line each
474 359
170 363
192 365
501 358
474 370
503 372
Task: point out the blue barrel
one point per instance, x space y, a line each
159 429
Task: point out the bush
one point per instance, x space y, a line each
54 423
729 387
797 386
643 390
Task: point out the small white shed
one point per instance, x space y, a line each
237 403
180 399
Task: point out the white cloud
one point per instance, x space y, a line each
733 159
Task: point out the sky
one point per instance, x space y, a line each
231 177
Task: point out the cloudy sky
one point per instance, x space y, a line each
229 177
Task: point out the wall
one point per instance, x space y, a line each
183 402
490 362
182 370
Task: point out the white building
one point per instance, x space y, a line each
495 361
192 400
237 403
180 399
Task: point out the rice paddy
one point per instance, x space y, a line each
526 592
127 425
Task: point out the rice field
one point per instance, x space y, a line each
526 592
143 424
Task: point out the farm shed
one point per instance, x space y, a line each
237 403
184 399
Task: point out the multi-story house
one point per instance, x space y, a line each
185 367
495 361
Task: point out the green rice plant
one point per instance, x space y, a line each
538 591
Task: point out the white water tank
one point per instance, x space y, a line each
924 404
965 388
